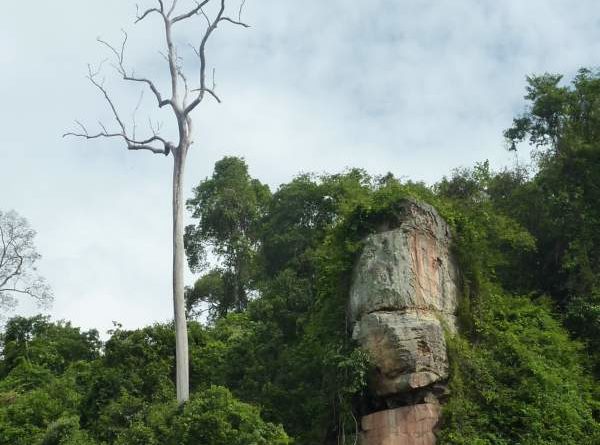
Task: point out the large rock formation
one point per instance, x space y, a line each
403 298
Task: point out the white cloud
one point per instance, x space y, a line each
416 87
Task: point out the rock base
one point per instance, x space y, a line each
407 425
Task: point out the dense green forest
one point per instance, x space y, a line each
271 358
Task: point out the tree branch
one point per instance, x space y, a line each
235 22
191 13
179 105
173 6
6 266
120 56
183 77
27 291
92 78
146 13
209 91
161 102
4 248
15 273
201 53
241 10
132 143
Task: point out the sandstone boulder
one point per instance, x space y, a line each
404 293
408 349
407 267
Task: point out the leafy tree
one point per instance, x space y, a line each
54 346
559 117
300 214
506 249
228 207
215 417
135 370
66 431
215 289
522 382
32 400
124 396
560 205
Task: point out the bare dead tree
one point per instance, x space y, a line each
182 100
18 258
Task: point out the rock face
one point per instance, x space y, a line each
408 425
407 267
408 349
403 297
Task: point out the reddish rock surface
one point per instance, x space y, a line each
408 425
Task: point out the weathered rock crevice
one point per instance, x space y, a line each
403 297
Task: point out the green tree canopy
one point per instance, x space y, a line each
53 346
560 205
228 207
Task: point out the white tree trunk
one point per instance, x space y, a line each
158 145
181 337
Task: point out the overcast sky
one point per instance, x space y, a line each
414 87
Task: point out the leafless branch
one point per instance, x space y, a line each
186 89
120 57
133 144
173 6
205 17
201 53
92 79
161 102
26 291
191 13
209 91
135 110
101 126
131 141
235 22
241 10
155 129
180 105
112 49
146 13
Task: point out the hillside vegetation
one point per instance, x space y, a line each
273 362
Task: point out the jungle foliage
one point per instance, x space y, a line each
273 363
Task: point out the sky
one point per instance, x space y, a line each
412 87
